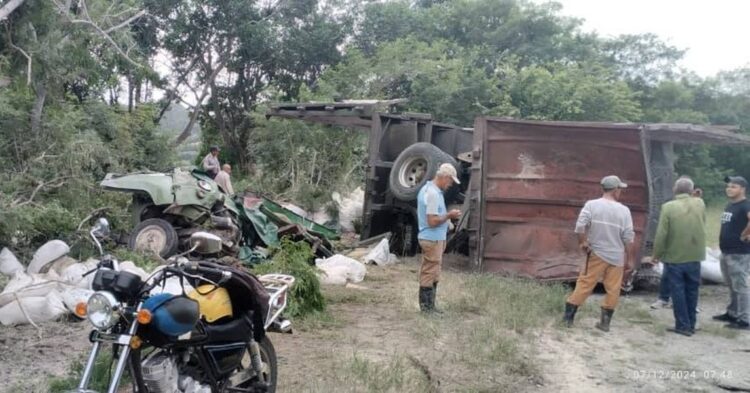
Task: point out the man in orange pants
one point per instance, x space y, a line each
605 234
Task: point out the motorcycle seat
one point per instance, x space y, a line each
233 330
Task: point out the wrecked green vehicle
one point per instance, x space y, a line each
168 207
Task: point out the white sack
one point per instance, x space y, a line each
9 264
172 285
129 266
29 285
47 253
73 274
338 270
72 296
39 309
350 208
381 255
711 268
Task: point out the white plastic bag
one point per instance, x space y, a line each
39 309
9 264
381 255
338 270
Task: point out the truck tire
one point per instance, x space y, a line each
154 235
414 167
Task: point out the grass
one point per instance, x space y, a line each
317 321
99 378
357 373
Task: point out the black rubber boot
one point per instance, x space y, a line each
434 296
425 299
570 314
603 325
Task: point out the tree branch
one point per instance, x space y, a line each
126 22
9 7
23 52
54 183
199 105
104 34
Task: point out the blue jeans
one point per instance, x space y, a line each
684 281
664 289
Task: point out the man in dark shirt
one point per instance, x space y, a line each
734 242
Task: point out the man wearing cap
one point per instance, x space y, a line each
605 234
734 242
680 243
433 218
211 162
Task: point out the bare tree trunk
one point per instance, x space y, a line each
38 108
138 86
130 94
199 105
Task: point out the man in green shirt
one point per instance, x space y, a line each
680 244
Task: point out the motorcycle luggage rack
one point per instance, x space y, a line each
277 286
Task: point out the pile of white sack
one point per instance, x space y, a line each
342 270
50 287
710 267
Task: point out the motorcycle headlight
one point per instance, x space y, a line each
103 310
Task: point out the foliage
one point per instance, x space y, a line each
84 106
294 258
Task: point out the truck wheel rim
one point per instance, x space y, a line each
151 238
412 172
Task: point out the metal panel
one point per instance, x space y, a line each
535 178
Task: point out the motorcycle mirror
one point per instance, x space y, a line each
205 243
101 229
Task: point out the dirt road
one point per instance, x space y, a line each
497 335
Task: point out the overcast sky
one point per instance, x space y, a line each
715 32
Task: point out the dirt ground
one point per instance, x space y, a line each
373 340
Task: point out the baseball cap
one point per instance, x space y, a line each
447 169
611 182
738 180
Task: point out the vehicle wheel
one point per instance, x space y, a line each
154 235
414 167
270 368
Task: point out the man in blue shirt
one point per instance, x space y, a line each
433 218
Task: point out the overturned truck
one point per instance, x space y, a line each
522 182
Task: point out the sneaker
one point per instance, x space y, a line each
697 310
739 325
661 304
724 318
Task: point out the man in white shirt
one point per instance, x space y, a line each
605 234
211 162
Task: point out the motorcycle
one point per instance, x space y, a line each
177 342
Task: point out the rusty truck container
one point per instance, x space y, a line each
530 179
